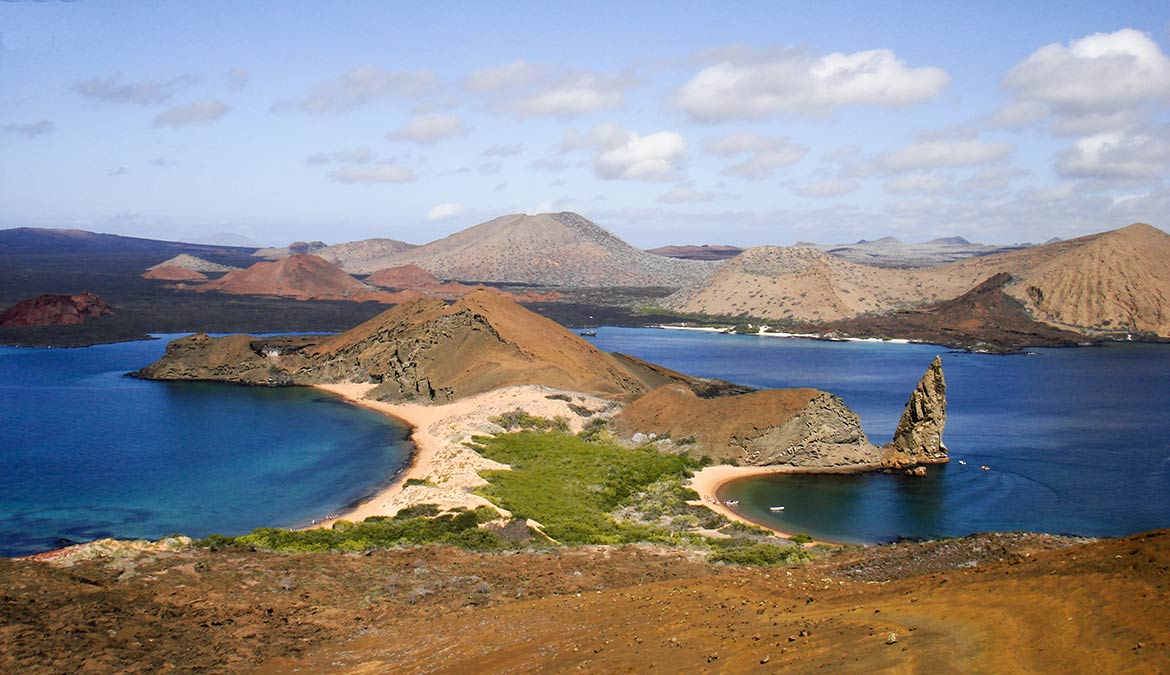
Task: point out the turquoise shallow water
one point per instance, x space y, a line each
87 453
1077 440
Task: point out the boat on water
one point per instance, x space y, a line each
775 509
731 502
588 333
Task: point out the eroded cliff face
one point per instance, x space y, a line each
803 428
55 310
918 438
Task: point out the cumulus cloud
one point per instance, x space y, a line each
199 112
828 187
444 211
430 128
358 155
743 83
931 154
373 173
31 129
1100 73
508 76
625 155
764 154
917 182
1133 156
143 92
358 87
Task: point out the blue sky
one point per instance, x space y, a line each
675 122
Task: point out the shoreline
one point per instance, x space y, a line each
709 480
448 470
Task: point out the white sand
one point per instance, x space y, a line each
440 434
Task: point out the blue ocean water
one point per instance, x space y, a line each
1076 440
87 453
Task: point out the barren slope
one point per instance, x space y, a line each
424 350
554 249
194 263
363 257
300 276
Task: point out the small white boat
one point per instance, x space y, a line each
962 462
775 509
731 502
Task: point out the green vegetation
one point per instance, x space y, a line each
755 553
594 430
413 526
418 481
520 419
571 486
801 538
746 329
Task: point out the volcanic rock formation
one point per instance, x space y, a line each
793 427
424 351
918 438
191 262
299 276
550 249
173 273
55 310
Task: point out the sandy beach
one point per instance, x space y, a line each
440 433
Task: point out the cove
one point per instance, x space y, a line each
86 452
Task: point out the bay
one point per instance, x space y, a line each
86 452
1076 440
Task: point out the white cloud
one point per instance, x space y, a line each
917 182
743 83
31 129
930 154
357 87
430 128
1118 156
358 155
1103 72
444 211
199 112
503 150
828 187
508 76
685 194
576 95
765 154
375 173
625 155
144 92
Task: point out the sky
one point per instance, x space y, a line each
676 122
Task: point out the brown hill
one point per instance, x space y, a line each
704 252
55 310
414 279
403 276
300 276
1113 282
551 249
424 350
984 318
365 256
173 273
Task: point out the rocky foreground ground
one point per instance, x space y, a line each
988 603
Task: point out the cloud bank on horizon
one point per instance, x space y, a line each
665 123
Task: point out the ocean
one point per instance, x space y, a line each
1076 441
86 452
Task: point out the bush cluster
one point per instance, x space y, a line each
520 419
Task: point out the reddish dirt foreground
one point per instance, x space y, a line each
988 603
1103 607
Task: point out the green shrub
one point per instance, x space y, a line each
736 553
801 538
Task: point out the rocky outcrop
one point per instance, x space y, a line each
423 351
55 310
191 262
803 428
918 438
173 273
